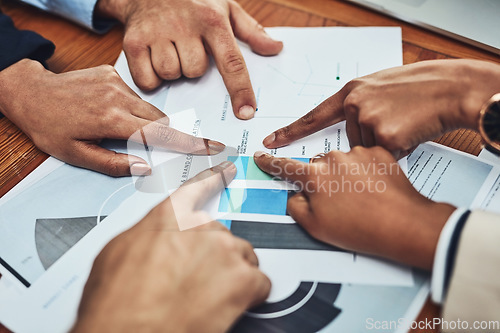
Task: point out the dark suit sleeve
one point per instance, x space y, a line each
16 45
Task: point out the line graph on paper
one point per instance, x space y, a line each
293 86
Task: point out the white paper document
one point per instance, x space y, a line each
485 154
47 250
488 197
444 174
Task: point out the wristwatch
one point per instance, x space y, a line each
489 124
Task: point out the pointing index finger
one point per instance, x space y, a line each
328 113
233 70
159 135
284 168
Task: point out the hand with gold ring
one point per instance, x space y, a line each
316 157
362 201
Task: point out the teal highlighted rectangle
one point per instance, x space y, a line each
241 163
254 173
247 169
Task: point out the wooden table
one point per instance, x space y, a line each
77 48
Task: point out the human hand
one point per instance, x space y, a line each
165 39
156 278
362 201
67 115
401 107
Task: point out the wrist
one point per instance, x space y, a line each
482 82
113 319
438 217
12 80
83 325
424 225
105 311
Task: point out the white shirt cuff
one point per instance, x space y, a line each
439 267
79 11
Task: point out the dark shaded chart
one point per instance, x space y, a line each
264 235
54 237
309 309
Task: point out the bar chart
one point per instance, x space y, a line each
267 200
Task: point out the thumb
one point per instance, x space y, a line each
92 156
197 191
248 30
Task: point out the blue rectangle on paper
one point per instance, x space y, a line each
224 201
265 201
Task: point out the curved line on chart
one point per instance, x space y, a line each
108 198
286 311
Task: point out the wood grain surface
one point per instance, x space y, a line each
78 48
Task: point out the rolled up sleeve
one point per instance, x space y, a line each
78 11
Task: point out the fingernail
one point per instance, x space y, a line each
226 164
269 139
140 169
259 154
215 146
246 112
